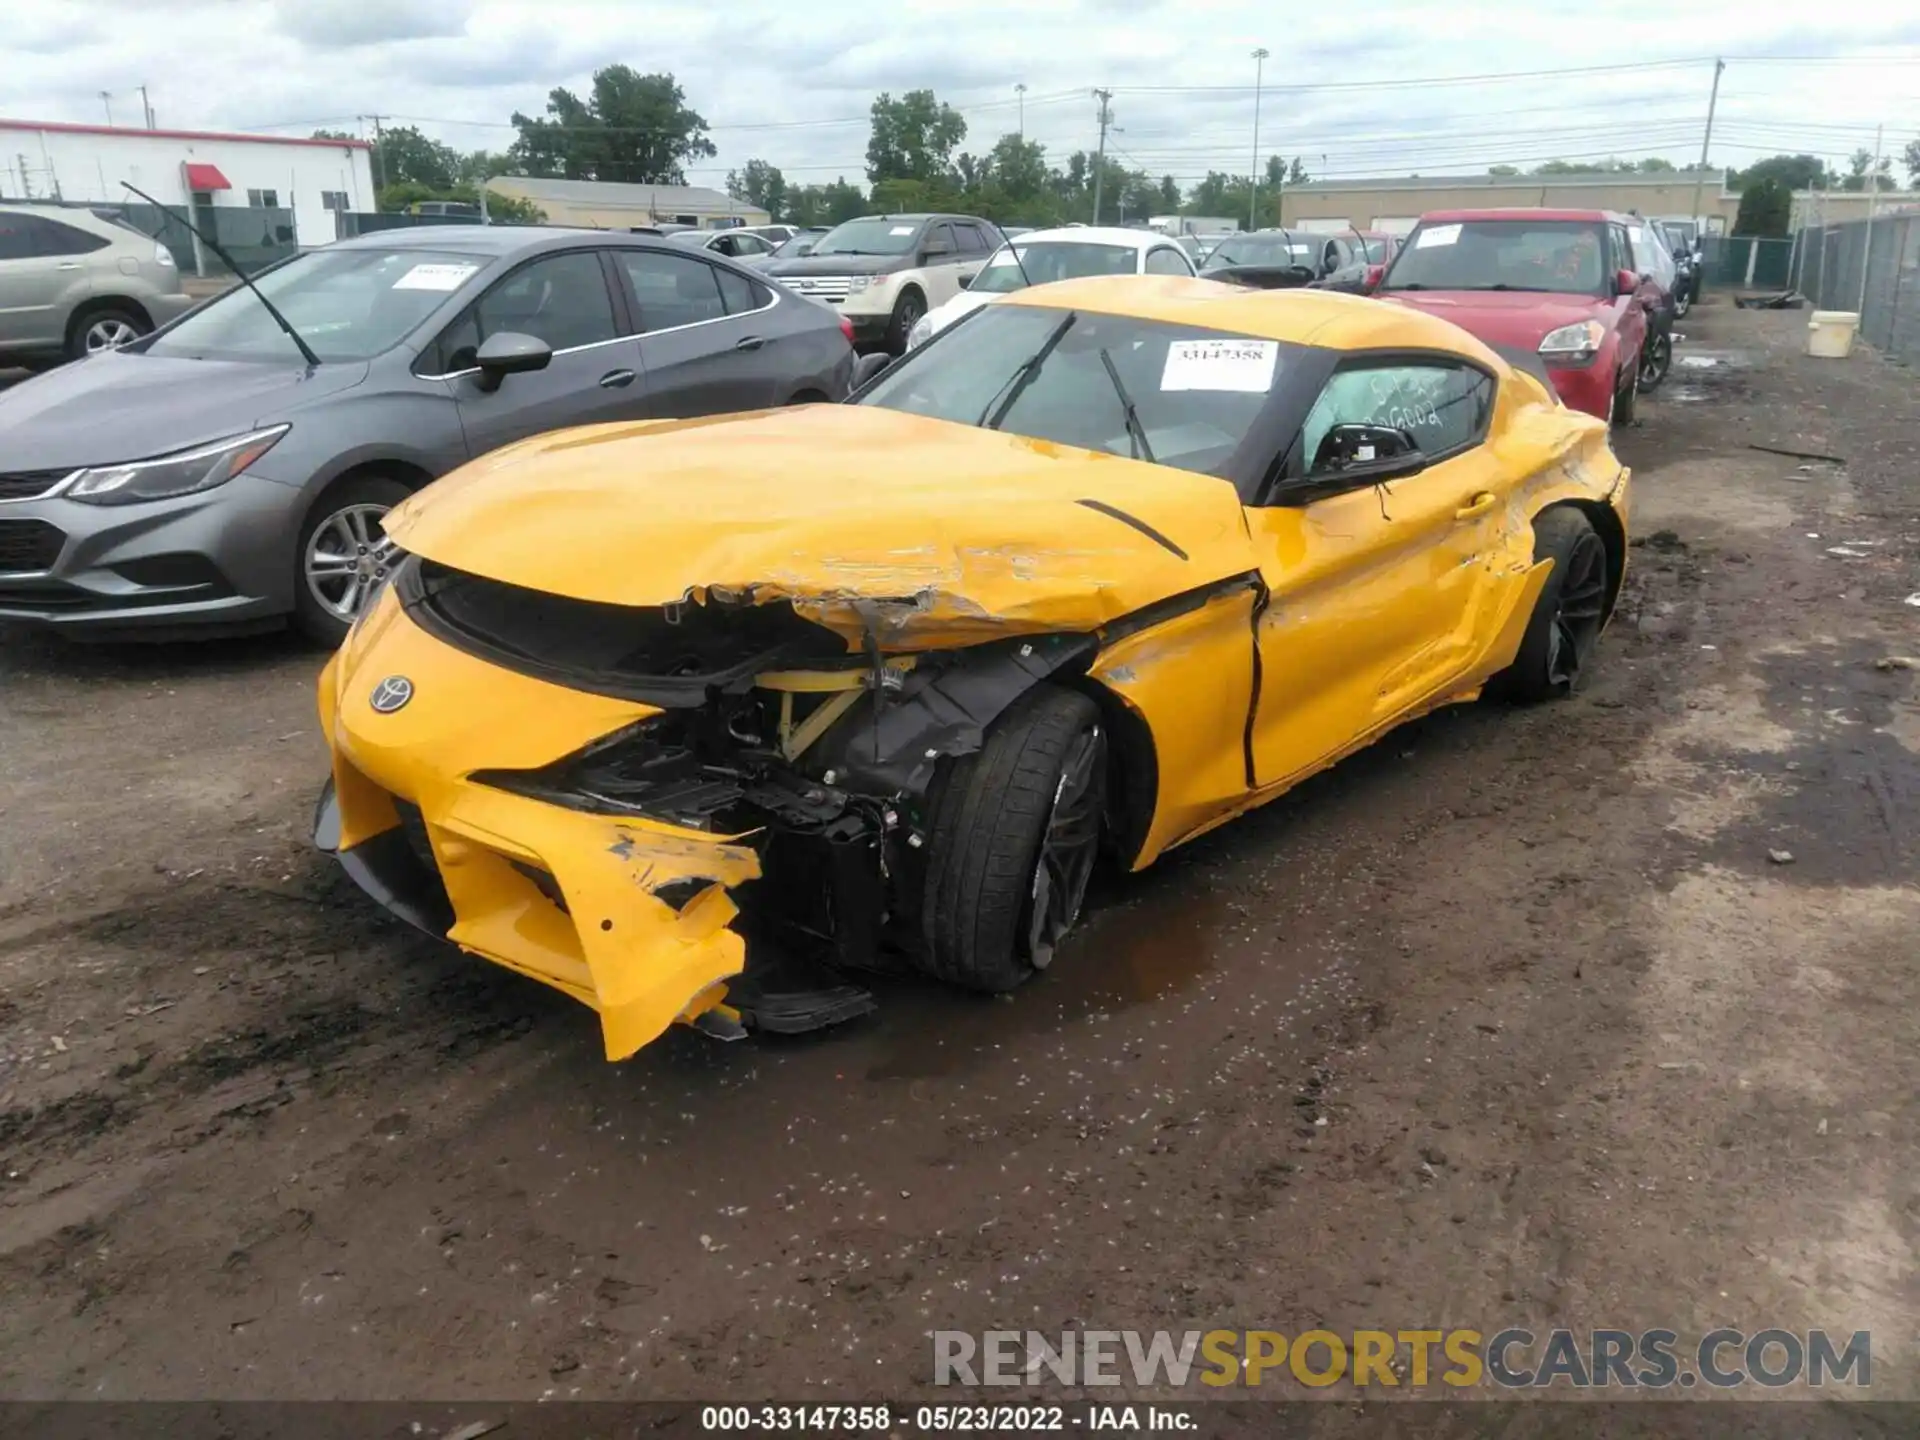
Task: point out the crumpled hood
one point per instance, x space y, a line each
129 407
923 532
1503 317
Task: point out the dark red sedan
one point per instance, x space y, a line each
1563 284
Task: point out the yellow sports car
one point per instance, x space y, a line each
1095 570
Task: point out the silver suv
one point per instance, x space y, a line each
72 283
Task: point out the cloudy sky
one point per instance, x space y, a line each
1383 87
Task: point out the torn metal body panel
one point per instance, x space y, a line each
696 752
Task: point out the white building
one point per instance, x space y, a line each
49 160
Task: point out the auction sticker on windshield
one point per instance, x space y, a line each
435 277
901 230
1438 235
1245 366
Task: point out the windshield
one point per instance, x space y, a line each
1050 260
1259 248
346 304
877 235
1562 257
1373 247
1197 393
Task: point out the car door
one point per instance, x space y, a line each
43 277
568 300
940 263
1630 311
1378 593
976 244
705 337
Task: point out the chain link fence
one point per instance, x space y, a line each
1833 261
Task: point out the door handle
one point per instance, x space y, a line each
615 379
1479 505
69 265
752 342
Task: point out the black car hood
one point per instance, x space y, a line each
128 407
840 265
1261 277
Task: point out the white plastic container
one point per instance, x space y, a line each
1830 333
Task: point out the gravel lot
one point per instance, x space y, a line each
1586 1054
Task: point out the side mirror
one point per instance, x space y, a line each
1371 282
867 367
1353 447
509 353
1625 282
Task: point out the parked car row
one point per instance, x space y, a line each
72 283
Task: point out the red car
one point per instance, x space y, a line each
1561 284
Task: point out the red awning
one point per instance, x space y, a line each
206 177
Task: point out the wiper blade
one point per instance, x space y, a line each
1136 432
306 350
1016 383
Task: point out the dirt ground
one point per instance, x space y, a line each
1586 1055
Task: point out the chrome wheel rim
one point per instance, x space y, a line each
348 558
1654 364
1577 616
109 333
1068 848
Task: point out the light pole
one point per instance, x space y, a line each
106 99
1021 90
1253 175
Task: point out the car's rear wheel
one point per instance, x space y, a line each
1683 301
1565 625
1623 397
106 327
1013 842
907 311
344 556
1655 360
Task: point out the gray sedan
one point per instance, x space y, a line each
209 475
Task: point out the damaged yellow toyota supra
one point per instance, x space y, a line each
698 721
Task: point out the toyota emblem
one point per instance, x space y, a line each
390 694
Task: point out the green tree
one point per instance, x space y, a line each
760 185
826 204
480 166
1169 195
633 128
1503 170
1910 157
1859 164
1019 167
1795 172
913 138
1765 209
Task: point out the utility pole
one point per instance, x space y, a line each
106 99
1253 175
1021 91
379 154
1700 175
1873 203
146 106
1100 158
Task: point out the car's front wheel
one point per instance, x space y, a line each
1655 361
1013 842
344 556
907 311
1567 618
1683 301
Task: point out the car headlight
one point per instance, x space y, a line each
201 468
858 283
921 332
1573 344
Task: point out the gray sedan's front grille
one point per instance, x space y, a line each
29 484
29 546
822 287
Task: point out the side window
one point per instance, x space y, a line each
562 300
938 236
739 293
58 239
1623 256
17 237
744 244
673 290
1443 407
1165 261
976 240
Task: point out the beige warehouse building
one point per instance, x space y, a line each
606 206
1394 205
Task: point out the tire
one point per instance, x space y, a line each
1683 302
1623 406
1015 833
104 327
1655 362
1565 625
907 311
333 527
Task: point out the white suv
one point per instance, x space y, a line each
72 283
883 272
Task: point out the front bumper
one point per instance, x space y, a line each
628 916
224 557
